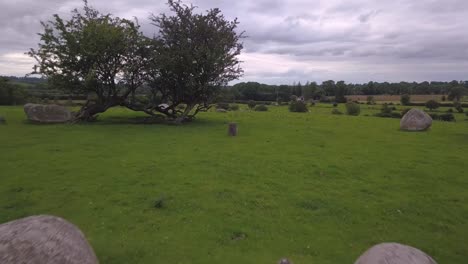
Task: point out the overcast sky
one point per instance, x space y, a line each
294 40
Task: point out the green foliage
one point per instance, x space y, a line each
251 104
404 111
261 108
385 109
11 94
389 115
298 106
456 93
405 99
92 53
224 106
340 92
234 107
450 110
335 111
444 98
449 117
194 55
458 106
432 104
353 108
434 116
370 100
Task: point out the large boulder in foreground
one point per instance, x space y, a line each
415 120
47 113
394 253
44 239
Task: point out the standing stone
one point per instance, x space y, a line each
44 239
284 261
394 253
232 129
2 120
47 113
415 120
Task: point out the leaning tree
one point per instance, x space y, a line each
194 55
95 54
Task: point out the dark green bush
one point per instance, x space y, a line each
447 117
385 109
450 110
11 94
261 108
233 107
251 104
405 99
389 115
432 104
335 104
224 106
353 109
434 116
298 106
458 107
336 112
404 111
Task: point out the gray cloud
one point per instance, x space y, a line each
299 40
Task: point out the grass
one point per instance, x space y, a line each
313 187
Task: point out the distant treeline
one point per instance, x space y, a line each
311 90
19 90
16 90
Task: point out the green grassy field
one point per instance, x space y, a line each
313 187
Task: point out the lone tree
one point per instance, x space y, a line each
405 99
196 55
456 93
432 104
94 54
340 92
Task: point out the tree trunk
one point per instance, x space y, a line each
184 116
89 111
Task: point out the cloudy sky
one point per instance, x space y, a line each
294 40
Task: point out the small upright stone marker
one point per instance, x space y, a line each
232 130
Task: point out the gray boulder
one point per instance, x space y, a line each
221 110
44 239
394 253
47 113
415 120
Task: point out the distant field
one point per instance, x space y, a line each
396 98
313 187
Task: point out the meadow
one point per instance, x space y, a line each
313 187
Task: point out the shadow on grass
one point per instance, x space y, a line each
145 120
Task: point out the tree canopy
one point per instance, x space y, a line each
109 58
